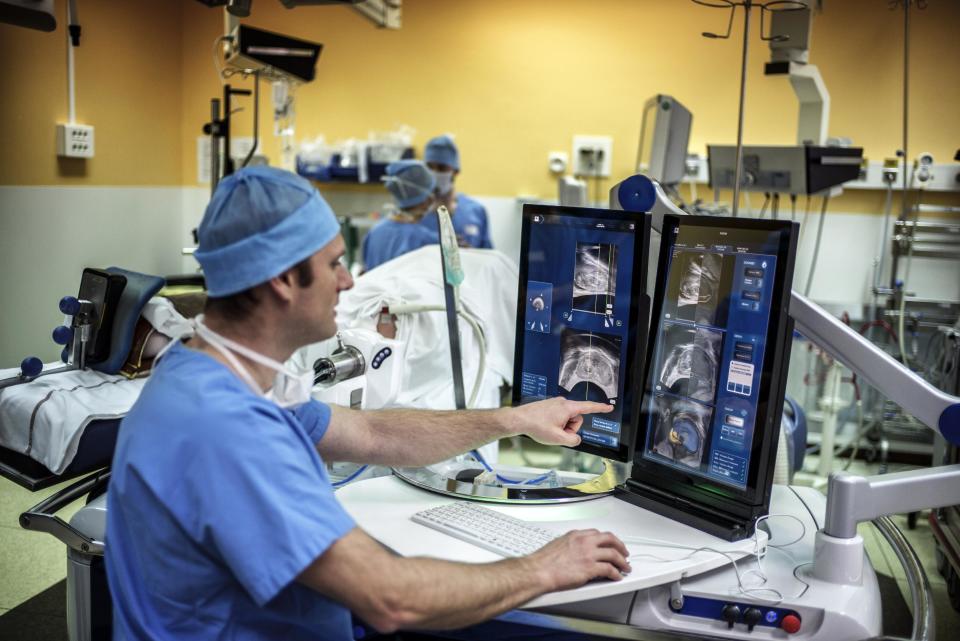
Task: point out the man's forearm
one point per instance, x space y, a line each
467 594
416 438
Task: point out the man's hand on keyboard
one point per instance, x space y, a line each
580 556
555 421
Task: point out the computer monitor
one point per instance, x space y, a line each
582 316
664 136
716 372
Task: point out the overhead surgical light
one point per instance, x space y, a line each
274 55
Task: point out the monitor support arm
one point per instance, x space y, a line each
851 499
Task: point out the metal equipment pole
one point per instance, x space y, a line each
214 145
906 100
743 92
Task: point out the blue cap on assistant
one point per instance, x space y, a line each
441 150
410 182
260 222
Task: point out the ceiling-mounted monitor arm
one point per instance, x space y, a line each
789 56
813 120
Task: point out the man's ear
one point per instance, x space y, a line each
283 285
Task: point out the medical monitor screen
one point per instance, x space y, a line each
719 288
580 321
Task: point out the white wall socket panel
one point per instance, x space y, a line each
74 141
558 161
592 156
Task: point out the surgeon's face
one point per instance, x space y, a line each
319 299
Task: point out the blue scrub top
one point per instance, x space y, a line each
469 221
390 238
218 500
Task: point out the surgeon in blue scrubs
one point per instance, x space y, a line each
412 185
222 523
469 216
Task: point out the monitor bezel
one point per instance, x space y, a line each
695 485
639 315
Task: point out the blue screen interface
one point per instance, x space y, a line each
576 316
703 386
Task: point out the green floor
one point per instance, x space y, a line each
32 562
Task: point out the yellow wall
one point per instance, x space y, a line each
128 85
514 80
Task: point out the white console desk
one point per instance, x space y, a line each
383 506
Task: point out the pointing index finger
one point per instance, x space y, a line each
589 407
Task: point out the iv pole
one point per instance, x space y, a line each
771 5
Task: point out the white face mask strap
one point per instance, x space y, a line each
214 339
243 350
176 339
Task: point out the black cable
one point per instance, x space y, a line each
816 247
809 511
256 119
632 603
766 200
793 208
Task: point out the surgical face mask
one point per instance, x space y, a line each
289 388
444 182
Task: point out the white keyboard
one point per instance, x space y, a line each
486 528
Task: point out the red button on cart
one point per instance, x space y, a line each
790 623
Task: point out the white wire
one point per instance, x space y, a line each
400 310
759 553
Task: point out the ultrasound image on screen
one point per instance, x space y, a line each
697 290
595 278
680 430
689 361
589 365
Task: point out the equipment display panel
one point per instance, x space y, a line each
581 316
715 336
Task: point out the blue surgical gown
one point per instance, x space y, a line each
390 238
469 221
218 500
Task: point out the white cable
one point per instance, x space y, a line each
757 552
477 331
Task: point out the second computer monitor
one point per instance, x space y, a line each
582 316
719 346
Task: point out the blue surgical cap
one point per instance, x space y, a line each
410 182
441 150
260 222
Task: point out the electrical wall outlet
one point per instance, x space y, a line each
74 141
592 156
557 161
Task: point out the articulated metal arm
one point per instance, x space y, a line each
934 408
853 499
